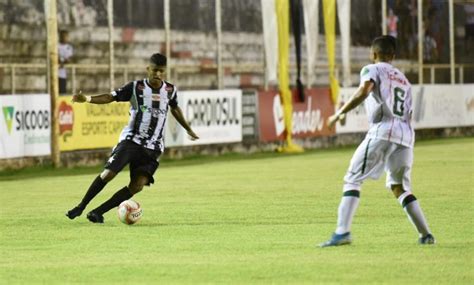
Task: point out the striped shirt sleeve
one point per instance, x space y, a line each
124 93
174 98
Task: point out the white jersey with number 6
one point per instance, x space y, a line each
389 105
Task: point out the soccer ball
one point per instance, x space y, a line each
129 212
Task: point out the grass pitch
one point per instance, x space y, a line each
242 219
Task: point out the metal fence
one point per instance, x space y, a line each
124 73
113 34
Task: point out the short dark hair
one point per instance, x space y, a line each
158 59
386 45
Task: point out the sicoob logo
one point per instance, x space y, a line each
8 115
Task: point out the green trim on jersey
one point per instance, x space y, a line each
364 71
365 156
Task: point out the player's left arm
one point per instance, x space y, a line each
358 97
178 115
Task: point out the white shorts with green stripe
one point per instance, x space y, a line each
372 157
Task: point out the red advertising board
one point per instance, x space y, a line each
309 117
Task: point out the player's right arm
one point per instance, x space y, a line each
122 94
94 99
358 97
367 83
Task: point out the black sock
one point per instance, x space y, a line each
97 185
119 196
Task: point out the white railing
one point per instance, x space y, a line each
176 70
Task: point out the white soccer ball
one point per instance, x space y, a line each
129 212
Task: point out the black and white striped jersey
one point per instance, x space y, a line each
148 110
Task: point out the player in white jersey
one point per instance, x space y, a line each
388 145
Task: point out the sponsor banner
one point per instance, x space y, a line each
249 116
215 116
25 125
89 126
308 119
434 106
443 105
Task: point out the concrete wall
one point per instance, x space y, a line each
23 43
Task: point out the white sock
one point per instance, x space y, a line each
415 214
346 211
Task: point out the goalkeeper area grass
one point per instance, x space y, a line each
242 219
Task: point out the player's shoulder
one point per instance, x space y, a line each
140 84
170 88
402 75
367 68
169 84
128 86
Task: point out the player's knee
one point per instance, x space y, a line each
397 190
135 188
136 185
107 175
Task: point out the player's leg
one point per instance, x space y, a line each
366 162
127 192
96 215
345 214
97 185
142 168
116 162
398 180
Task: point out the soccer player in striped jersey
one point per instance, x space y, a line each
388 145
141 142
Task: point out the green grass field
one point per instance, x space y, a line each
242 220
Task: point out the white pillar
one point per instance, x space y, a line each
344 13
451 42
110 18
311 22
384 17
52 40
420 41
167 38
220 84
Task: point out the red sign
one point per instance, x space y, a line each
66 120
309 117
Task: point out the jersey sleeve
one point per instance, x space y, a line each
368 73
124 93
173 95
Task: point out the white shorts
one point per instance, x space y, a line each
372 157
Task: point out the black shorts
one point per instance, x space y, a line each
142 160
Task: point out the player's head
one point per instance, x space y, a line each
156 68
383 48
158 59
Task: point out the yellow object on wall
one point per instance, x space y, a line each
283 18
329 12
90 126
